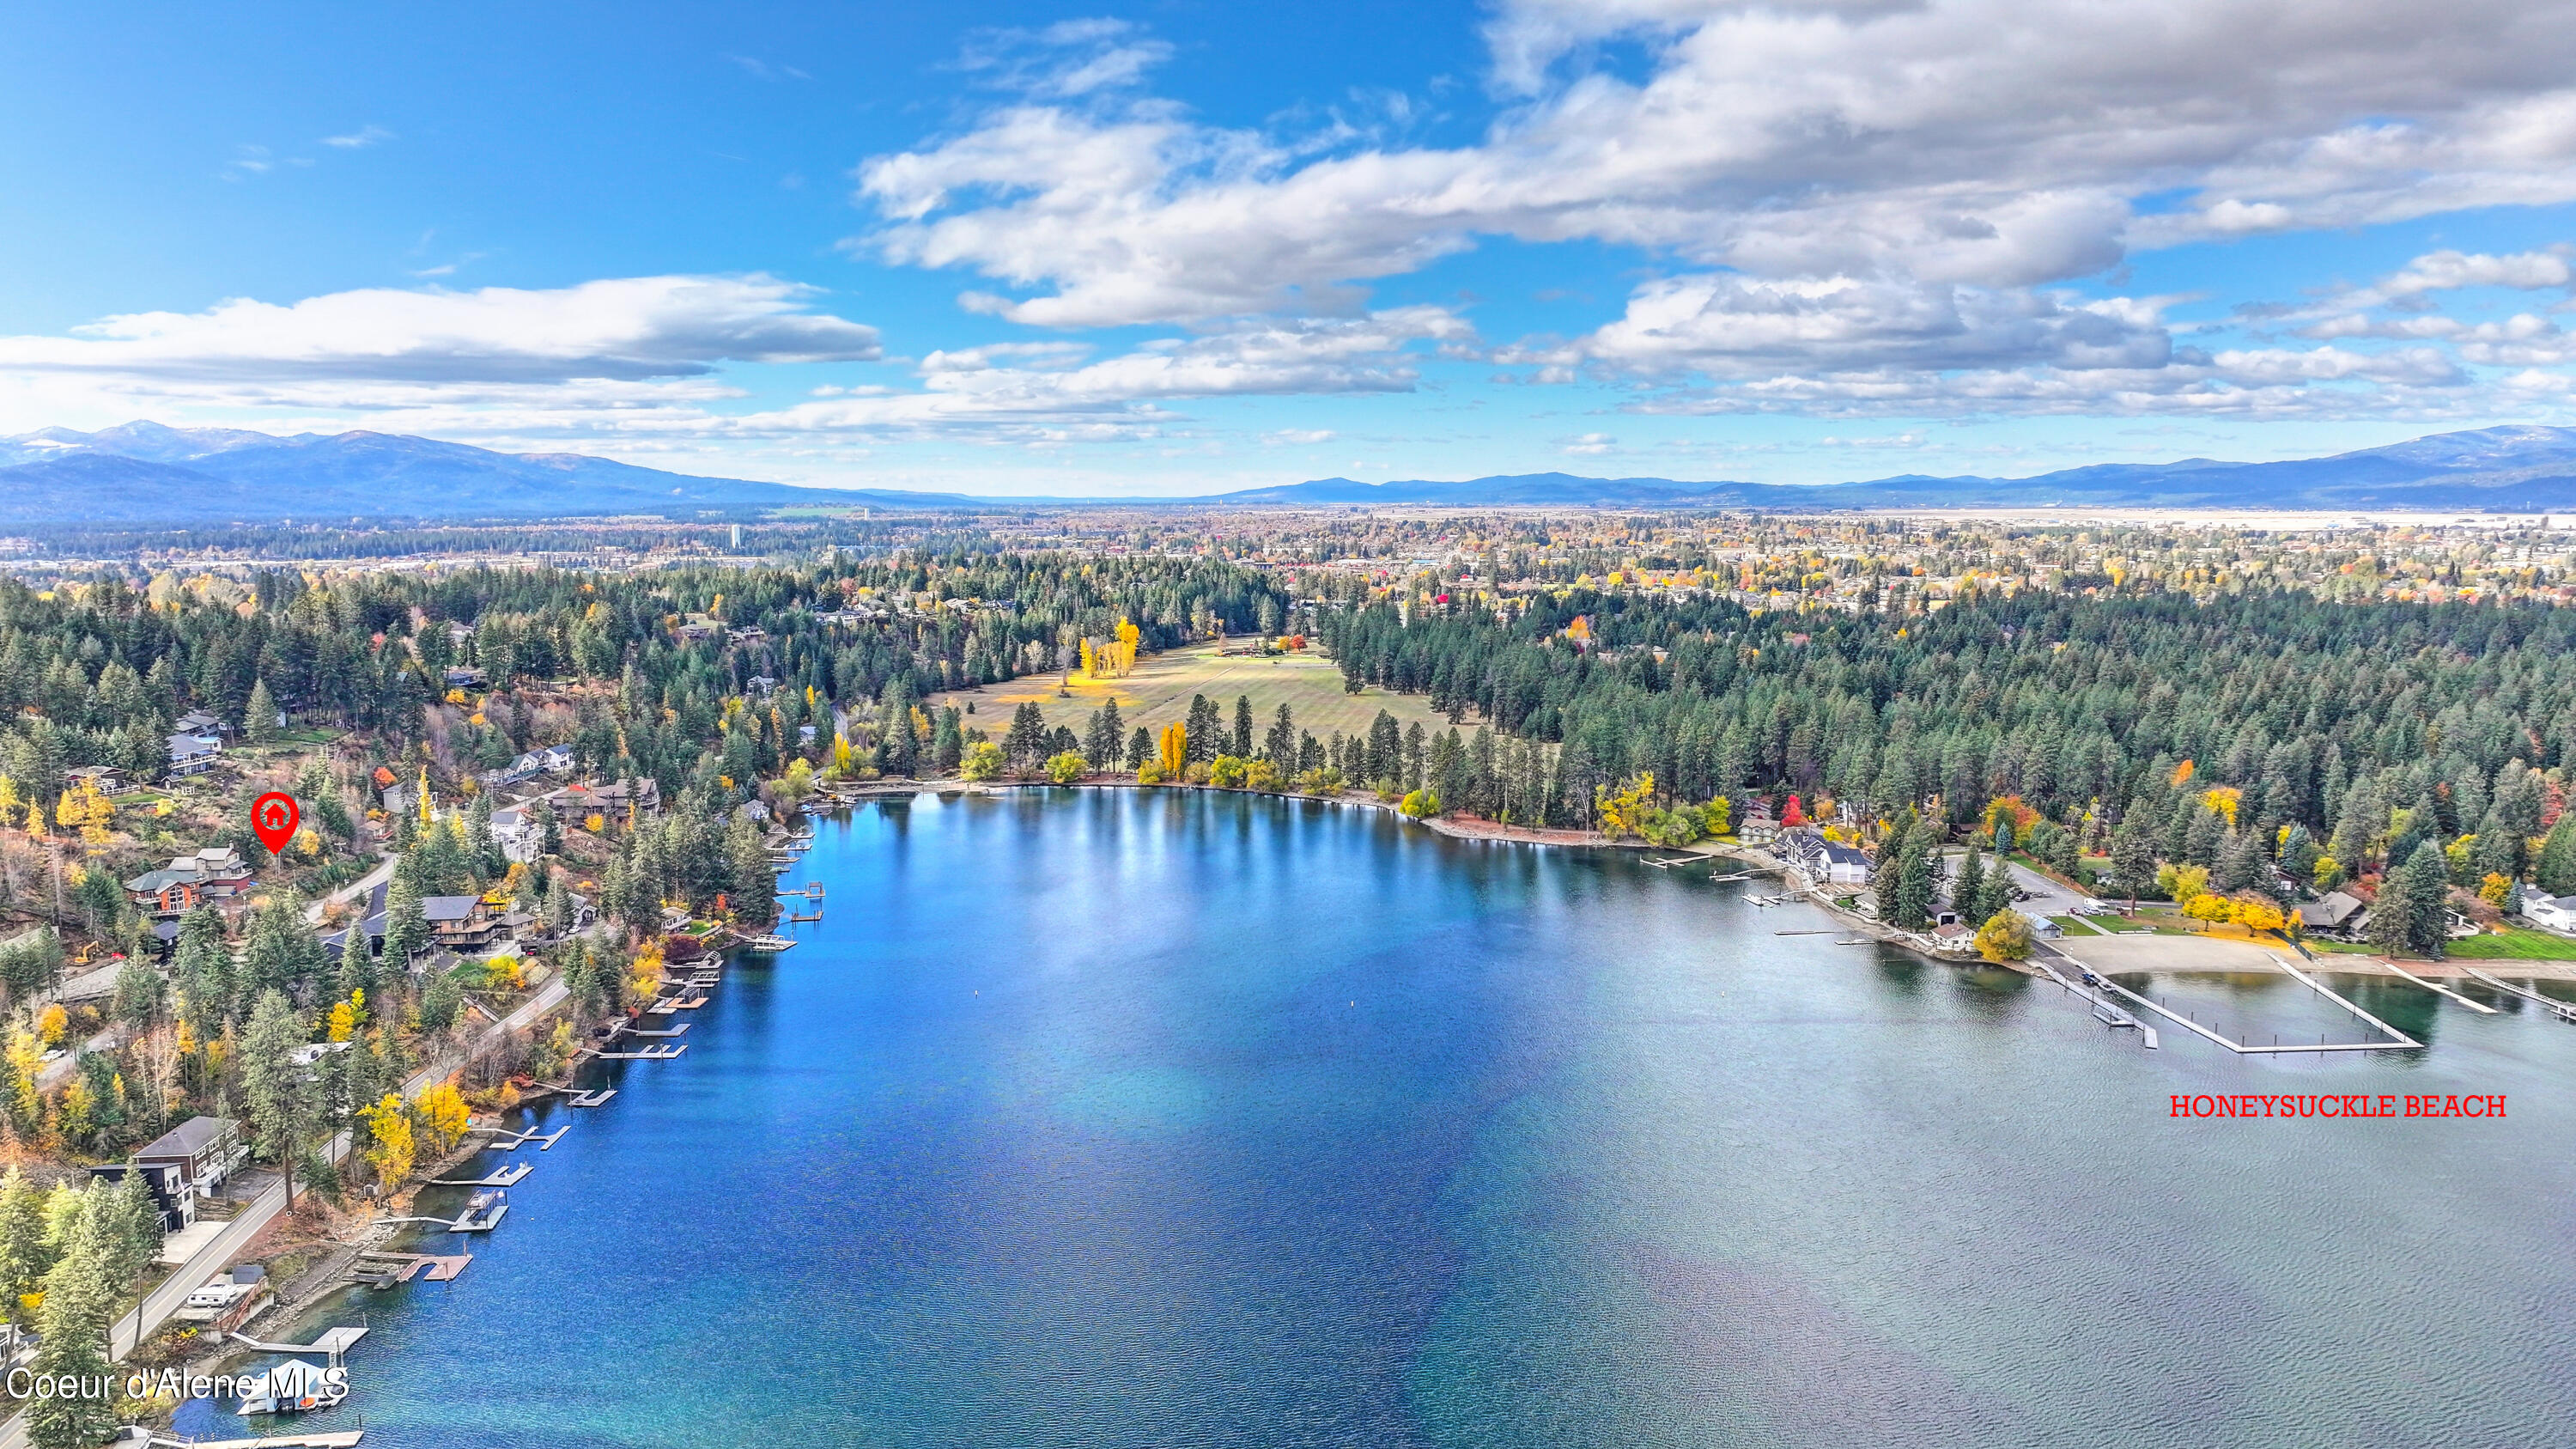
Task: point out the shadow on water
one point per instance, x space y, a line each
1992 993
1902 970
2402 1004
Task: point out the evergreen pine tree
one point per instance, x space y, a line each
2555 868
79 1304
1887 880
259 717
1968 892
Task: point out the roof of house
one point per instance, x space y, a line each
2334 910
157 881
184 747
188 1138
447 908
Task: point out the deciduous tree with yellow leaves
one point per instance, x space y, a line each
391 1148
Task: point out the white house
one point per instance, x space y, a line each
2554 913
519 833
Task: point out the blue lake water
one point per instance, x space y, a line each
1122 1118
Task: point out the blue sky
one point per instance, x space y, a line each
1178 248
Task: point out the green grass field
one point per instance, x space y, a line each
1158 693
2515 945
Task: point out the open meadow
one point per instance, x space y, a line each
1158 693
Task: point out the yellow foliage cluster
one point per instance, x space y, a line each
1112 658
393 1148
1620 815
83 808
2224 799
443 1115
1172 749
645 975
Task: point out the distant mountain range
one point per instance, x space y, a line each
144 472
2496 470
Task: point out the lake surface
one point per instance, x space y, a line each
1121 1118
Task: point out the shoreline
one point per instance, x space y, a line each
286 1319
1455 829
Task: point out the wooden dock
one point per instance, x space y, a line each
596 1097
404 1267
661 1053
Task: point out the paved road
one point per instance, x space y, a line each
354 889
219 1253
2047 897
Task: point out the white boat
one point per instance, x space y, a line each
294 1387
483 1211
771 944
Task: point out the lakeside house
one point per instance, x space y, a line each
202 1152
464 676
2337 916
175 1205
1757 828
1825 862
2551 913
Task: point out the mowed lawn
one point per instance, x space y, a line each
1158 693
2515 944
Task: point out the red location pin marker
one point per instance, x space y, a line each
272 819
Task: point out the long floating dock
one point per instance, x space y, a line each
2562 1010
334 1342
2438 988
333 1440
2103 1011
661 1053
545 1142
509 1176
2402 1043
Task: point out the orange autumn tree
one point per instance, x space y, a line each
1172 749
